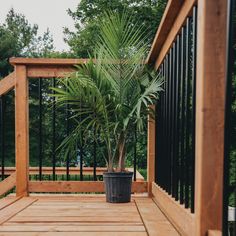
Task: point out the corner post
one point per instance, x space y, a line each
22 130
211 73
151 141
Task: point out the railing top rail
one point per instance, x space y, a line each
173 18
46 61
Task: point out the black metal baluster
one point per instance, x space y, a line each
2 127
230 62
170 120
94 157
182 153
135 152
40 128
187 114
81 151
194 44
177 113
167 126
67 134
161 129
54 132
81 162
173 122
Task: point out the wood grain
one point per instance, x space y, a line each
7 83
73 171
173 18
8 184
46 61
13 209
181 217
210 105
4 202
183 13
154 220
77 186
22 130
65 215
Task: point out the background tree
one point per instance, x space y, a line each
89 13
19 38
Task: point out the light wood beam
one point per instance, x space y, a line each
22 131
210 106
77 186
8 184
7 83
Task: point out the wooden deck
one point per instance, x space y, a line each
81 215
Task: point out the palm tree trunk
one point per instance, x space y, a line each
121 149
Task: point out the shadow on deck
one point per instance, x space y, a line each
81 215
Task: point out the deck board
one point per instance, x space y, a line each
82 215
154 219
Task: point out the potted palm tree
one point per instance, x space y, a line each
110 95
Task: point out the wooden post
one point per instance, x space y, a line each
211 73
151 152
22 131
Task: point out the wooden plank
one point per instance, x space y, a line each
77 186
6 201
22 131
49 71
47 219
67 228
73 171
46 61
185 11
13 209
181 217
155 221
168 18
214 233
48 212
7 83
210 105
8 184
73 234
74 224
151 142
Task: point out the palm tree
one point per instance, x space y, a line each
111 93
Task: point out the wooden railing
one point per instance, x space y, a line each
210 69
21 176
6 85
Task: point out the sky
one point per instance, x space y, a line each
50 14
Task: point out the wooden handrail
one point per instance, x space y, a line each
173 19
8 184
170 13
46 61
7 83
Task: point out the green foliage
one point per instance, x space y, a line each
20 39
232 163
146 13
110 97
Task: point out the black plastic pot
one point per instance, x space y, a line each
118 186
